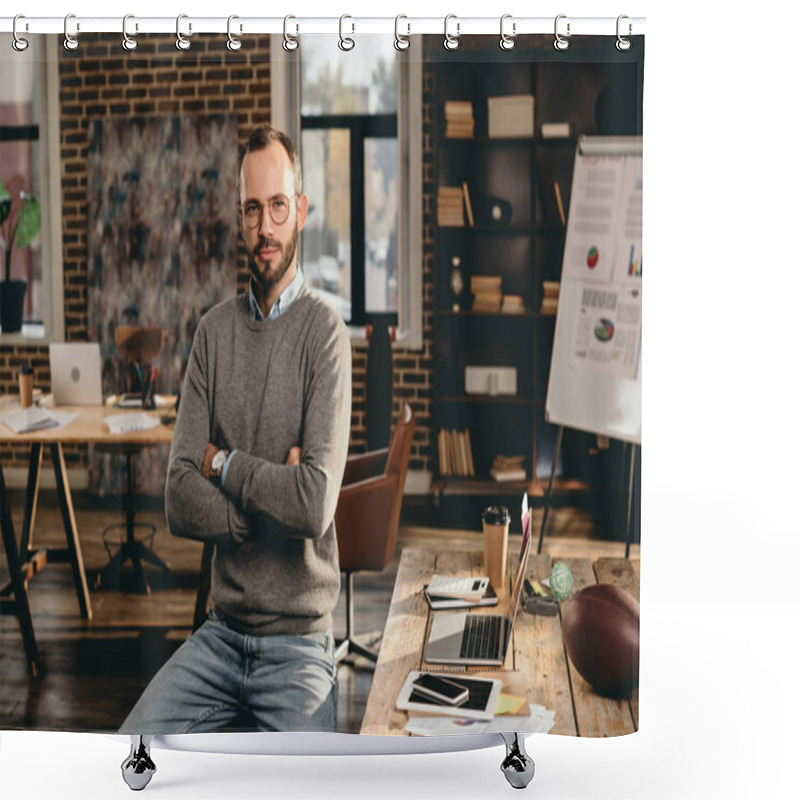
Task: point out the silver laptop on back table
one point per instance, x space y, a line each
75 374
478 639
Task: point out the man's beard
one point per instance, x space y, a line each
277 269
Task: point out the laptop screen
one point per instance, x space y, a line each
75 374
523 556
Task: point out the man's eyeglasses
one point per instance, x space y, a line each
252 210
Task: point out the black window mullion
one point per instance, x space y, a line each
358 278
360 128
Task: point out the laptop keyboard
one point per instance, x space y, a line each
481 639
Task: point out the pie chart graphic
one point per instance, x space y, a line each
592 257
604 330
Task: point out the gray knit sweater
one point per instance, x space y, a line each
261 388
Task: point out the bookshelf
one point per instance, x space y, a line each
501 220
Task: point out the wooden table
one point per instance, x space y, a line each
537 654
24 560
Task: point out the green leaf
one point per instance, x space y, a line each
30 219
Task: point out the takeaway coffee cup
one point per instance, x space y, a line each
495 544
26 387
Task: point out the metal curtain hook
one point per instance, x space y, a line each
18 43
70 42
345 42
233 44
561 42
181 42
623 44
507 42
129 42
451 42
290 43
401 42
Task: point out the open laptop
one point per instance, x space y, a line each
466 639
75 374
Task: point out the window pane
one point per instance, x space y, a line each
19 161
326 247
380 224
359 82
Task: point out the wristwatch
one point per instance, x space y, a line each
218 463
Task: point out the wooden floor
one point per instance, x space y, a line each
95 671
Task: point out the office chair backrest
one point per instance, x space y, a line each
368 513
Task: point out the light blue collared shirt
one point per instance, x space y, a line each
285 299
280 306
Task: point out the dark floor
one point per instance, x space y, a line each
93 672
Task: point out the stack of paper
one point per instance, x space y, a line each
128 423
29 419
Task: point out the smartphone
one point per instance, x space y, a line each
441 689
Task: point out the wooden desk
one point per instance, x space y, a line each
537 651
25 560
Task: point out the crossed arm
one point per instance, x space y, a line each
294 498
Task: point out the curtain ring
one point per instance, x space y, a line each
233 44
18 43
128 42
561 42
623 44
451 42
70 42
401 42
507 42
290 43
181 42
345 42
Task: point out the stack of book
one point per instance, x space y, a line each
513 304
459 120
487 292
508 468
550 298
450 207
455 454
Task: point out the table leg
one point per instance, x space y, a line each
19 605
71 530
31 498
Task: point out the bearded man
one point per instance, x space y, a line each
255 467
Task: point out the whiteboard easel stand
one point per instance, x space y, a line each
549 495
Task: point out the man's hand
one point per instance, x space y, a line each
208 455
292 460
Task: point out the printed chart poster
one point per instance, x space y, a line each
628 251
607 331
592 231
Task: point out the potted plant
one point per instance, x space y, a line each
20 220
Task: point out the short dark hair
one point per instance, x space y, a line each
260 138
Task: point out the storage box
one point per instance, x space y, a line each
511 116
491 380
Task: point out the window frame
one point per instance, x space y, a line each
285 115
52 327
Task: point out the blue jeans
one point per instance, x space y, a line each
287 683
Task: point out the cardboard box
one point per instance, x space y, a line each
511 116
491 380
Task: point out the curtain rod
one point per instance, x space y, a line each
452 25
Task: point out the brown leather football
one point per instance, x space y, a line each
600 626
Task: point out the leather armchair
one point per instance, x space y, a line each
368 516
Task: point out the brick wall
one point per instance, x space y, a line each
101 80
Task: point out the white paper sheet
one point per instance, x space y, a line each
127 423
607 329
34 418
593 213
541 720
